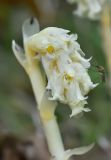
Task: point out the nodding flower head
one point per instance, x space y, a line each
88 8
63 62
65 67
66 70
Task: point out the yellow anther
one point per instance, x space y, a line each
32 52
50 49
68 77
68 43
65 92
53 65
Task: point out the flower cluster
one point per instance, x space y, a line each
65 67
66 70
88 8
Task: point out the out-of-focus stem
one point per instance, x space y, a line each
106 34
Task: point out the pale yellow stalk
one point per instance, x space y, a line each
106 34
46 107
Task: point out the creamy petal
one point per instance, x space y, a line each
78 108
19 53
78 151
30 27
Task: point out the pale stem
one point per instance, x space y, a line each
54 139
46 108
106 34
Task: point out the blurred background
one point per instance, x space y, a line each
21 133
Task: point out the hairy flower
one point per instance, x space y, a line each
88 8
65 67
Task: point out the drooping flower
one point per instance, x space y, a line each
66 71
65 67
88 8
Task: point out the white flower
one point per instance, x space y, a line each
63 62
88 8
64 65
